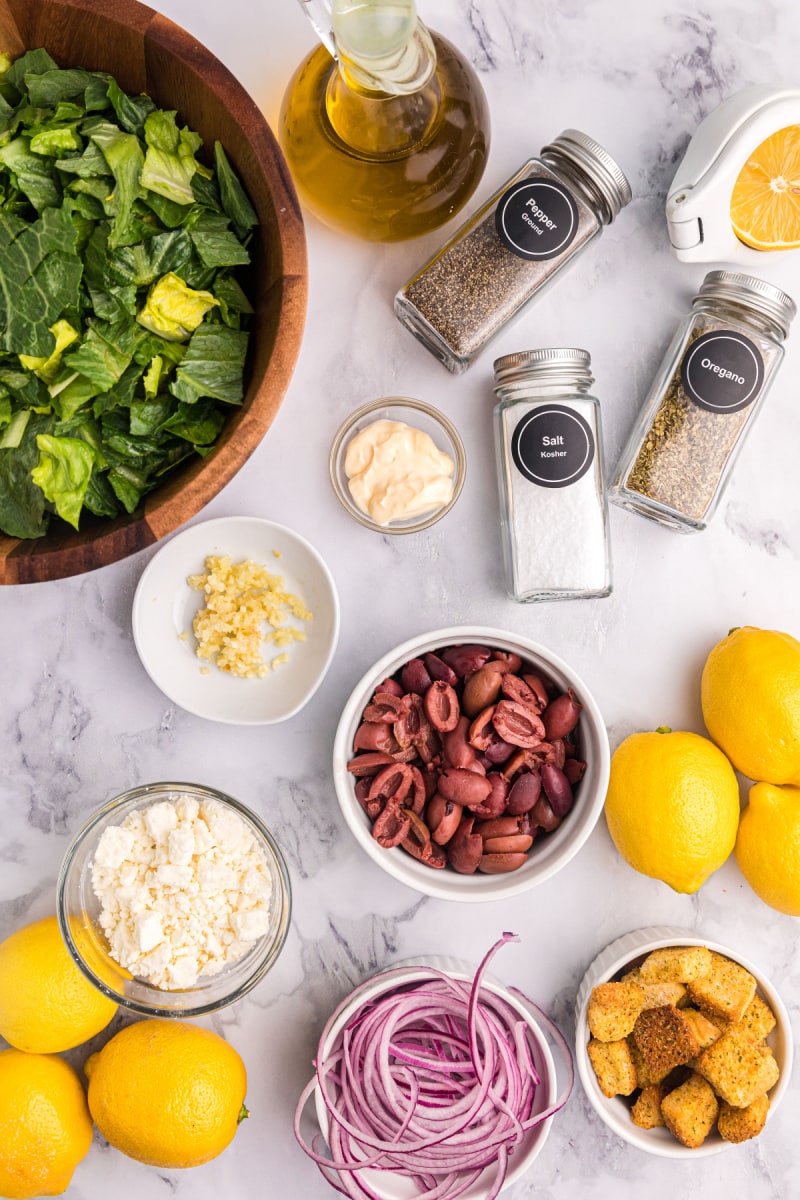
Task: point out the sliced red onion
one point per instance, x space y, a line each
432 1080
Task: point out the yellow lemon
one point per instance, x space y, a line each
672 807
45 1127
765 203
46 1004
768 846
167 1093
751 702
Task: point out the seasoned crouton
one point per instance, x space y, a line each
738 1069
656 994
690 1111
725 992
613 1067
739 1124
644 1076
676 964
665 1039
613 1009
646 1112
758 1020
705 1031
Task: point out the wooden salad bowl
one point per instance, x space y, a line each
148 53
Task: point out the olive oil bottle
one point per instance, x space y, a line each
385 126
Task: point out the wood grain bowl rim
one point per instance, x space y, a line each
193 486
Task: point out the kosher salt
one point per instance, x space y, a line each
554 517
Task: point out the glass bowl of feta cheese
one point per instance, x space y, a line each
174 899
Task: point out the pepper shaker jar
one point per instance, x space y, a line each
512 247
704 400
553 512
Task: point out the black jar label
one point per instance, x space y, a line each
722 371
536 219
553 446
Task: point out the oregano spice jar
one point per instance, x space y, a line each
512 248
703 401
553 513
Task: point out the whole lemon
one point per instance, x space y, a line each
672 806
751 702
46 1003
45 1127
768 846
167 1093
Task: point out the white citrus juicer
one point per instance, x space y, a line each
699 200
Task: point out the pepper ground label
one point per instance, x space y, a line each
722 371
536 219
553 446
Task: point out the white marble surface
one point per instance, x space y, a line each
81 721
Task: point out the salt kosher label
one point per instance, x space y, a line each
536 219
553 446
722 371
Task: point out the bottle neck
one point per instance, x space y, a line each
383 49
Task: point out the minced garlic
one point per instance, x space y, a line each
240 597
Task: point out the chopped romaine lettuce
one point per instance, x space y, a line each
121 318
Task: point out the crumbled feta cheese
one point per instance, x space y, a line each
184 889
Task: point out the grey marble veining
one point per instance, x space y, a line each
80 721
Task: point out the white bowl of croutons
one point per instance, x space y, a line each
683 1046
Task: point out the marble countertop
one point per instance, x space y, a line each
81 720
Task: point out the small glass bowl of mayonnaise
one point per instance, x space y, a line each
397 465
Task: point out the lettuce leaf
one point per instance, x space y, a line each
173 310
63 473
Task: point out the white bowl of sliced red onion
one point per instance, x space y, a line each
438 1080
471 764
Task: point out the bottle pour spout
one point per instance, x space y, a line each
381 45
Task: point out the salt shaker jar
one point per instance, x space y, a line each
703 401
553 512
512 248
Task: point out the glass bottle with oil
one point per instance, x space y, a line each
385 126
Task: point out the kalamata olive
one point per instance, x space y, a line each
539 689
524 793
464 787
392 824
375 737
418 793
514 688
556 752
511 661
385 708
544 816
455 747
442 707
517 724
498 827
427 852
414 677
438 669
466 659
499 751
369 764
481 690
394 781
515 843
500 864
574 769
371 807
409 725
465 848
528 825
557 789
495 803
481 731
407 754
391 686
523 760
443 818
561 715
